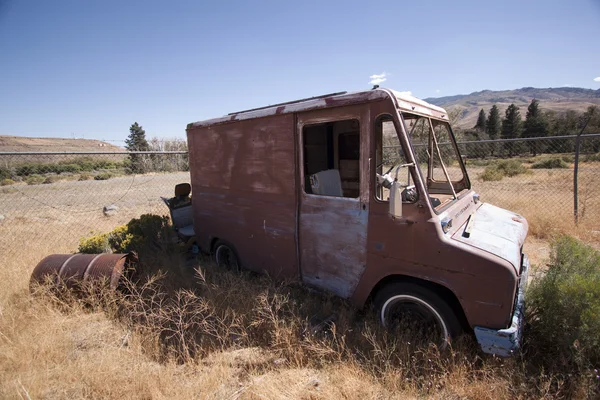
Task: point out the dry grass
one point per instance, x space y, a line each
217 334
545 198
212 333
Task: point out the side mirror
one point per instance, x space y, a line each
396 200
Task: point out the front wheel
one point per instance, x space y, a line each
417 311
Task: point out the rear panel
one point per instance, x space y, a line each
243 180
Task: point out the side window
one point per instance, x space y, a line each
332 158
447 154
389 155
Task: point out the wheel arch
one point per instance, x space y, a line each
444 292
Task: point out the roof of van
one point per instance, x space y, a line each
404 101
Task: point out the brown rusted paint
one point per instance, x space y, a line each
333 230
49 268
419 249
247 174
74 270
243 177
309 105
106 266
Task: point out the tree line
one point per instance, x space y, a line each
537 123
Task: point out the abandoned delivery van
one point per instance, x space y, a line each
364 195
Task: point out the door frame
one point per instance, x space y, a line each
360 112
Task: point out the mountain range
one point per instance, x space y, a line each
551 99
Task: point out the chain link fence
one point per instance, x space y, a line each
537 176
48 201
534 177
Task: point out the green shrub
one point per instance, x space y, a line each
550 163
28 169
71 168
95 244
34 179
6 182
564 305
141 235
503 168
5 173
511 167
103 176
491 174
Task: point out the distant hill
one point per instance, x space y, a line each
555 99
28 144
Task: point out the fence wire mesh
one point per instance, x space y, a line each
48 201
531 176
536 177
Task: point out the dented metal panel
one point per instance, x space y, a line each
497 231
333 230
333 236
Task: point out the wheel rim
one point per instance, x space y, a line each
225 257
406 311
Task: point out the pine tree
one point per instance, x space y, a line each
480 125
493 123
511 127
536 125
511 124
136 141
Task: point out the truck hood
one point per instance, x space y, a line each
497 231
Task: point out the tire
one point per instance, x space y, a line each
426 314
225 256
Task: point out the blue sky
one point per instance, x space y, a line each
92 68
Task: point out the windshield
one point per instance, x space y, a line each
437 157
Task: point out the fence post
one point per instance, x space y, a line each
576 171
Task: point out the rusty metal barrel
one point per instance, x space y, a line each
74 270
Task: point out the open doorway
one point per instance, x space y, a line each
332 158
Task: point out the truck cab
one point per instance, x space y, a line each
364 195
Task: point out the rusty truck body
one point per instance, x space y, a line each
364 195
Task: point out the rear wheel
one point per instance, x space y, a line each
418 312
226 256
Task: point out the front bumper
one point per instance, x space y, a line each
505 342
